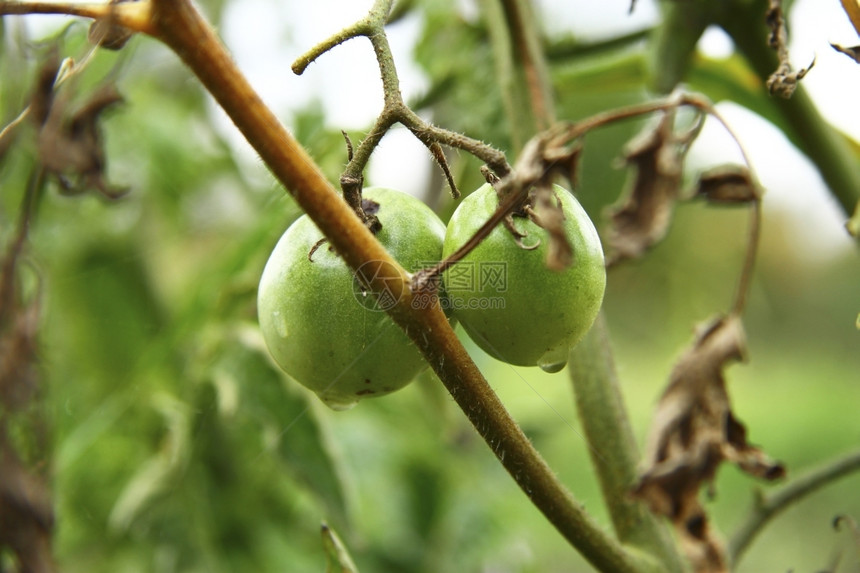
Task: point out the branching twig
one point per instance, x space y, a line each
521 70
395 110
766 507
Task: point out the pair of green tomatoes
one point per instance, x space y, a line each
326 332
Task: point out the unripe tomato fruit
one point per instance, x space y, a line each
509 302
319 326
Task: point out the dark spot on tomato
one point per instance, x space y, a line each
365 392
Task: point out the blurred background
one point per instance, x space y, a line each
176 445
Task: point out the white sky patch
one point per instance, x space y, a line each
266 36
715 43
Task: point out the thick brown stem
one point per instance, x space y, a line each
178 24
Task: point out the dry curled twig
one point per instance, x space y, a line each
783 81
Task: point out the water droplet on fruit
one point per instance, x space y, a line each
338 403
554 360
280 324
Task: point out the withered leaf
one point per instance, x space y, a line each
643 217
852 52
107 34
18 368
43 94
26 514
563 159
693 432
727 184
71 144
547 213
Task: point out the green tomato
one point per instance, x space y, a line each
322 328
508 301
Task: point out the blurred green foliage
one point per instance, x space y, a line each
179 446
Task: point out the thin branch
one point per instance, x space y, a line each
852 9
753 240
494 158
527 50
571 48
394 110
766 507
132 15
7 134
360 28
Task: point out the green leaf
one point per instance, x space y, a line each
337 556
290 426
157 474
108 314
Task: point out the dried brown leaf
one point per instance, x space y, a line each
693 432
728 184
643 217
18 370
547 213
564 161
26 515
71 144
106 33
852 52
42 98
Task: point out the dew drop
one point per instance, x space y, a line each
280 324
338 403
554 360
